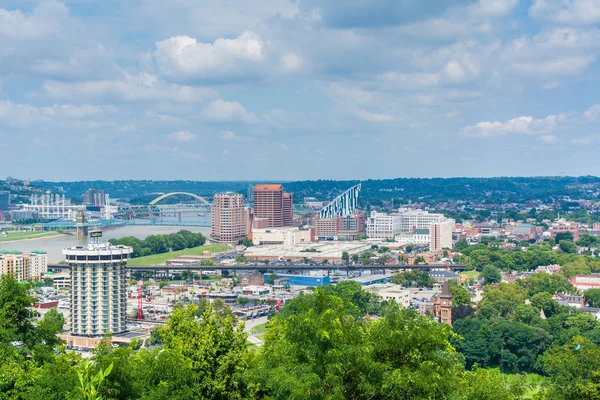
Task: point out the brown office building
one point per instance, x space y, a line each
228 218
271 204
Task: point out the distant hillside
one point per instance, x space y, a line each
433 190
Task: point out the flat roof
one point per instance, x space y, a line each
322 249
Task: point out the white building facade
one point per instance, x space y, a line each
281 236
383 226
98 288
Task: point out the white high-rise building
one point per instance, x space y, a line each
440 234
98 288
383 226
417 219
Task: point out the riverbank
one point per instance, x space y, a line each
160 259
25 236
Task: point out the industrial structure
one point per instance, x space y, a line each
343 205
98 288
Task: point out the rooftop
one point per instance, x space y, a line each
268 186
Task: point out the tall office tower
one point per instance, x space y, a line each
268 203
94 197
98 288
4 201
288 210
440 235
228 218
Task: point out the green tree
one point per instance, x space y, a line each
213 350
567 246
345 257
568 236
543 282
207 262
247 242
571 368
240 259
544 301
592 297
490 274
460 296
89 383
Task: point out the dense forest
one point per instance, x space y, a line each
430 190
337 342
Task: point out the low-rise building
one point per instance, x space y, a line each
282 236
570 300
392 292
585 282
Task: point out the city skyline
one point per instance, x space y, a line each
282 90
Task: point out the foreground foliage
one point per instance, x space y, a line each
334 343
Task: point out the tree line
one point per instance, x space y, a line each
157 244
336 342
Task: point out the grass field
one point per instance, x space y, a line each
159 259
259 331
471 274
23 235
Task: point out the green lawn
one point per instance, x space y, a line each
471 274
159 259
259 331
22 235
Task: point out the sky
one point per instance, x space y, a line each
298 89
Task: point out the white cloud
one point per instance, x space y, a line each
220 110
182 136
559 52
24 115
529 125
134 88
182 57
549 139
227 135
574 12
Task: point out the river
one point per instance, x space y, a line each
54 245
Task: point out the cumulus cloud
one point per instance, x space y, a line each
574 12
529 125
183 58
182 136
223 111
135 88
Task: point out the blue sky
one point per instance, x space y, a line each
303 89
